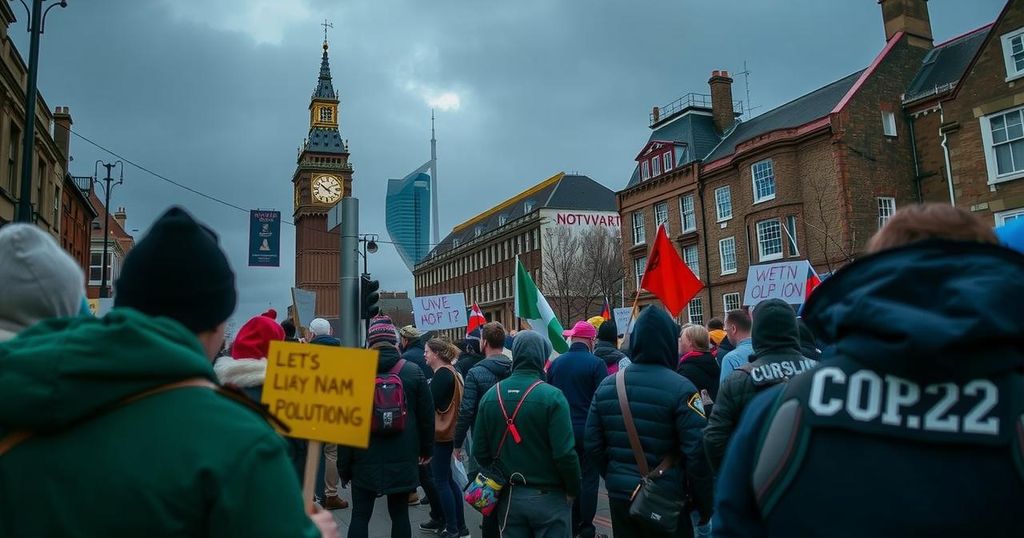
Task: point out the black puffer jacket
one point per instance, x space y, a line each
481 378
608 353
666 410
703 371
390 463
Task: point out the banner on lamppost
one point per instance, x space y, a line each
264 238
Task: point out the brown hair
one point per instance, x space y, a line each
698 336
444 350
740 318
494 334
930 221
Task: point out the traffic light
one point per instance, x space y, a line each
369 298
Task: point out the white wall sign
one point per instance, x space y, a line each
435 312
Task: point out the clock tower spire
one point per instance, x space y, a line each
323 175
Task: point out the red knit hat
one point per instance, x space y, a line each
253 340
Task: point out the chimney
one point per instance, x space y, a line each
721 100
120 216
910 17
62 132
655 115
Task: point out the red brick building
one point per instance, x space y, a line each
120 242
812 179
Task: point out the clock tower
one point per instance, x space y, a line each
322 177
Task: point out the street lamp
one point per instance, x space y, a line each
369 242
37 20
109 184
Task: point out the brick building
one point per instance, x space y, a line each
968 119
478 256
119 244
811 179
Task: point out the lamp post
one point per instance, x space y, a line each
109 184
369 242
37 20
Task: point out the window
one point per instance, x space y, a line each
56 206
763 175
886 207
656 166
661 215
686 213
645 170
502 219
528 206
727 253
455 243
1003 138
690 257
791 235
1006 217
667 159
326 114
888 123
769 240
96 268
723 203
12 159
477 231
695 310
731 301
639 264
639 237
1013 53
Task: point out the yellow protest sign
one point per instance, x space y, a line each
322 393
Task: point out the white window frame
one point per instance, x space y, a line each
988 145
656 166
455 243
666 159
725 301
695 315
639 230
683 213
721 255
754 179
886 209
1012 214
694 263
718 203
645 170
889 123
761 256
528 206
661 207
790 229
639 264
502 219
1008 61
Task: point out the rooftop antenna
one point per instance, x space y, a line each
747 108
433 178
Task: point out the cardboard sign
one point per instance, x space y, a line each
322 393
622 319
435 312
304 303
785 280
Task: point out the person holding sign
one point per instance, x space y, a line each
390 465
446 387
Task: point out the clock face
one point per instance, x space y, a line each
326 189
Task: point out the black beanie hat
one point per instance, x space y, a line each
774 328
180 272
608 332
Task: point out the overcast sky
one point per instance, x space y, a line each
214 95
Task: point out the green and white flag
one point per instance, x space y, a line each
534 308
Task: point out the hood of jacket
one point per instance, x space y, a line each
242 373
62 370
326 340
40 280
530 351
775 331
499 365
387 356
918 311
607 352
655 339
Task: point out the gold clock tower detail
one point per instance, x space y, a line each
322 177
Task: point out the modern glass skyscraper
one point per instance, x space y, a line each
408 215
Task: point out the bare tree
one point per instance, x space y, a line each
602 251
580 270
828 227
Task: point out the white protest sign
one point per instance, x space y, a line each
622 319
305 306
435 312
784 280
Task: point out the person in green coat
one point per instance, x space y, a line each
184 462
542 467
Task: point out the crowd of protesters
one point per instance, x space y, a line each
889 405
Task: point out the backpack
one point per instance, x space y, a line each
389 408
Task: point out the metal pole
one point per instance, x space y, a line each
28 141
348 307
106 234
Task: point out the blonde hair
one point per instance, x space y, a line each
698 337
445 350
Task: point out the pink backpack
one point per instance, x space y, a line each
389 402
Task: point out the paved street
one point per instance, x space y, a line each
380 526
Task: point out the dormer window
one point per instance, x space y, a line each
645 170
528 206
502 219
656 166
477 231
455 243
667 159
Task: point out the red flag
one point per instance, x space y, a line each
476 319
668 277
606 312
812 281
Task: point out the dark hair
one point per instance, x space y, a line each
931 221
289 329
715 324
740 318
493 333
444 349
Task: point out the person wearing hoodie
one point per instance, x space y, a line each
539 455
40 280
808 345
669 417
390 465
127 406
777 358
874 420
696 362
606 347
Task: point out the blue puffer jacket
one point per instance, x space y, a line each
667 412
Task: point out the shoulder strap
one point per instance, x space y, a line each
397 368
510 421
634 438
15 438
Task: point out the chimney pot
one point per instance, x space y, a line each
721 100
62 132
